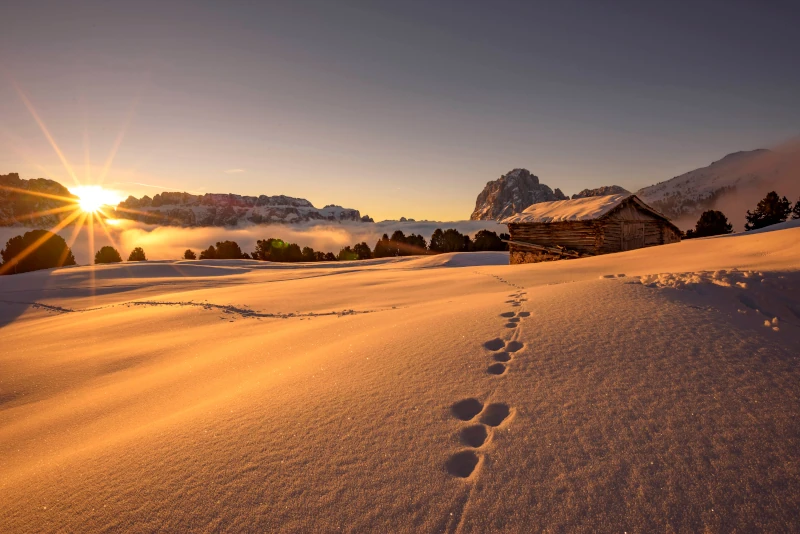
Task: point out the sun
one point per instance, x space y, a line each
93 197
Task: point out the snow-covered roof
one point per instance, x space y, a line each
580 209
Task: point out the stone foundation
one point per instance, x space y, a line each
517 257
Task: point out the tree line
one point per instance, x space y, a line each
399 244
772 209
41 249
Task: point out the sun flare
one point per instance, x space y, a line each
93 197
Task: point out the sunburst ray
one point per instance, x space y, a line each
42 213
73 236
73 200
7 266
46 133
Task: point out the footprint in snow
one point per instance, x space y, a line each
496 369
474 436
494 414
494 344
501 356
466 409
463 463
498 344
514 346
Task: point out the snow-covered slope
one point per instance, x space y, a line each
733 184
656 390
185 209
510 194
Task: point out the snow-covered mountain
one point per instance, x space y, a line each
733 184
20 205
185 209
511 194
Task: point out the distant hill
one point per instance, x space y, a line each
510 194
185 209
732 184
18 201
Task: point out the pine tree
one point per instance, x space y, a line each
796 210
209 254
347 254
228 250
189 255
137 254
771 210
382 247
437 241
36 249
362 251
107 254
711 222
488 240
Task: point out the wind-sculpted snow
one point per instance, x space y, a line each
655 390
765 299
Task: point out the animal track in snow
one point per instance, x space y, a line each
524 314
474 436
511 325
494 344
501 356
514 320
496 369
499 344
466 409
514 346
462 464
507 314
494 414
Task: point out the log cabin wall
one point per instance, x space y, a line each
581 236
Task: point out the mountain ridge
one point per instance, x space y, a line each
228 209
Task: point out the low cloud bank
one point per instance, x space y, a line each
169 242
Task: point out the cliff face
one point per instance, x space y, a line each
26 202
184 209
511 194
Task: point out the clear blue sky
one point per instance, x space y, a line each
394 108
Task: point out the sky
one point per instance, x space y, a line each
393 108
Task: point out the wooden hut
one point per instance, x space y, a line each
586 227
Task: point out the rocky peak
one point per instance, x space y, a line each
21 206
511 194
602 191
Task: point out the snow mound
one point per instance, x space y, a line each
763 297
